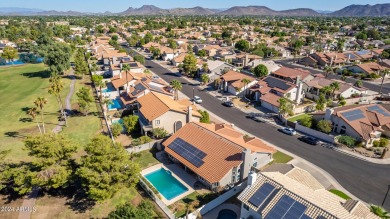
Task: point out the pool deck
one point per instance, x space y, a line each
214 213
179 174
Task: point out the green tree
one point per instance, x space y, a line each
205 67
159 133
116 129
202 53
81 66
335 86
205 78
57 57
242 45
9 53
245 81
172 44
285 107
321 102
126 68
205 117
306 121
55 88
40 102
189 65
98 81
33 113
148 37
176 86
130 123
156 52
139 58
106 168
143 211
260 71
359 83
84 99
324 126
379 211
328 70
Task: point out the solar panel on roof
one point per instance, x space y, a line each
378 110
286 208
188 152
273 82
321 217
362 52
304 216
261 194
133 65
353 115
138 88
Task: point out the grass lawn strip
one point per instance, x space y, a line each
340 194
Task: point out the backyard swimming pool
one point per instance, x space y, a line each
116 104
165 183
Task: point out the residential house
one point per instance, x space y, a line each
269 90
158 110
149 45
367 68
216 69
217 154
168 54
178 59
292 74
285 192
271 65
314 86
232 82
211 50
366 123
243 59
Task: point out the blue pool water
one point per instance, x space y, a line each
17 62
120 121
110 88
116 104
166 184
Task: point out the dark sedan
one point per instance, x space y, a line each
255 116
309 140
228 103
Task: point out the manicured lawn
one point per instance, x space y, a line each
296 118
339 193
145 159
20 86
280 157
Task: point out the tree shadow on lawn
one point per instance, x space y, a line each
39 74
14 134
24 120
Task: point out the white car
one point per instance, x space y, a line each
288 131
197 100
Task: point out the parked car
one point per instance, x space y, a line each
288 131
258 117
197 100
228 103
309 140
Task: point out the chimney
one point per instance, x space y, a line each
120 66
252 177
189 114
298 80
328 114
246 163
120 74
299 94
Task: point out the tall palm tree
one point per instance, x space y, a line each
40 103
55 88
126 68
383 73
106 102
328 70
327 90
334 86
379 211
246 81
33 113
176 86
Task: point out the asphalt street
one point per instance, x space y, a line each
365 180
374 87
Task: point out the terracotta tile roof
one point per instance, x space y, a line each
222 155
371 67
154 105
320 82
180 58
268 83
235 78
119 81
291 72
271 98
305 178
318 202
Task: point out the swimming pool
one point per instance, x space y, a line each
17 62
120 121
110 88
165 183
227 214
116 104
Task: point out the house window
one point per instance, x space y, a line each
335 127
343 129
255 164
246 207
157 122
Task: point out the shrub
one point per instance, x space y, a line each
306 121
324 126
116 129
131 123
159 133
347 140
342 103
141 140
376 143
383 142
205 116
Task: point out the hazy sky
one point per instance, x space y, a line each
121 5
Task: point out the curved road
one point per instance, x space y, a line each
365 180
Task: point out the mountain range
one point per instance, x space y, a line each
349 11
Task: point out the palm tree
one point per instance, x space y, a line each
176 86
205 67
106 102
94 67
40 103
126 68
326 90
55 88
328 70
33 113
383 73
379 211
246 81
285 107
334 86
